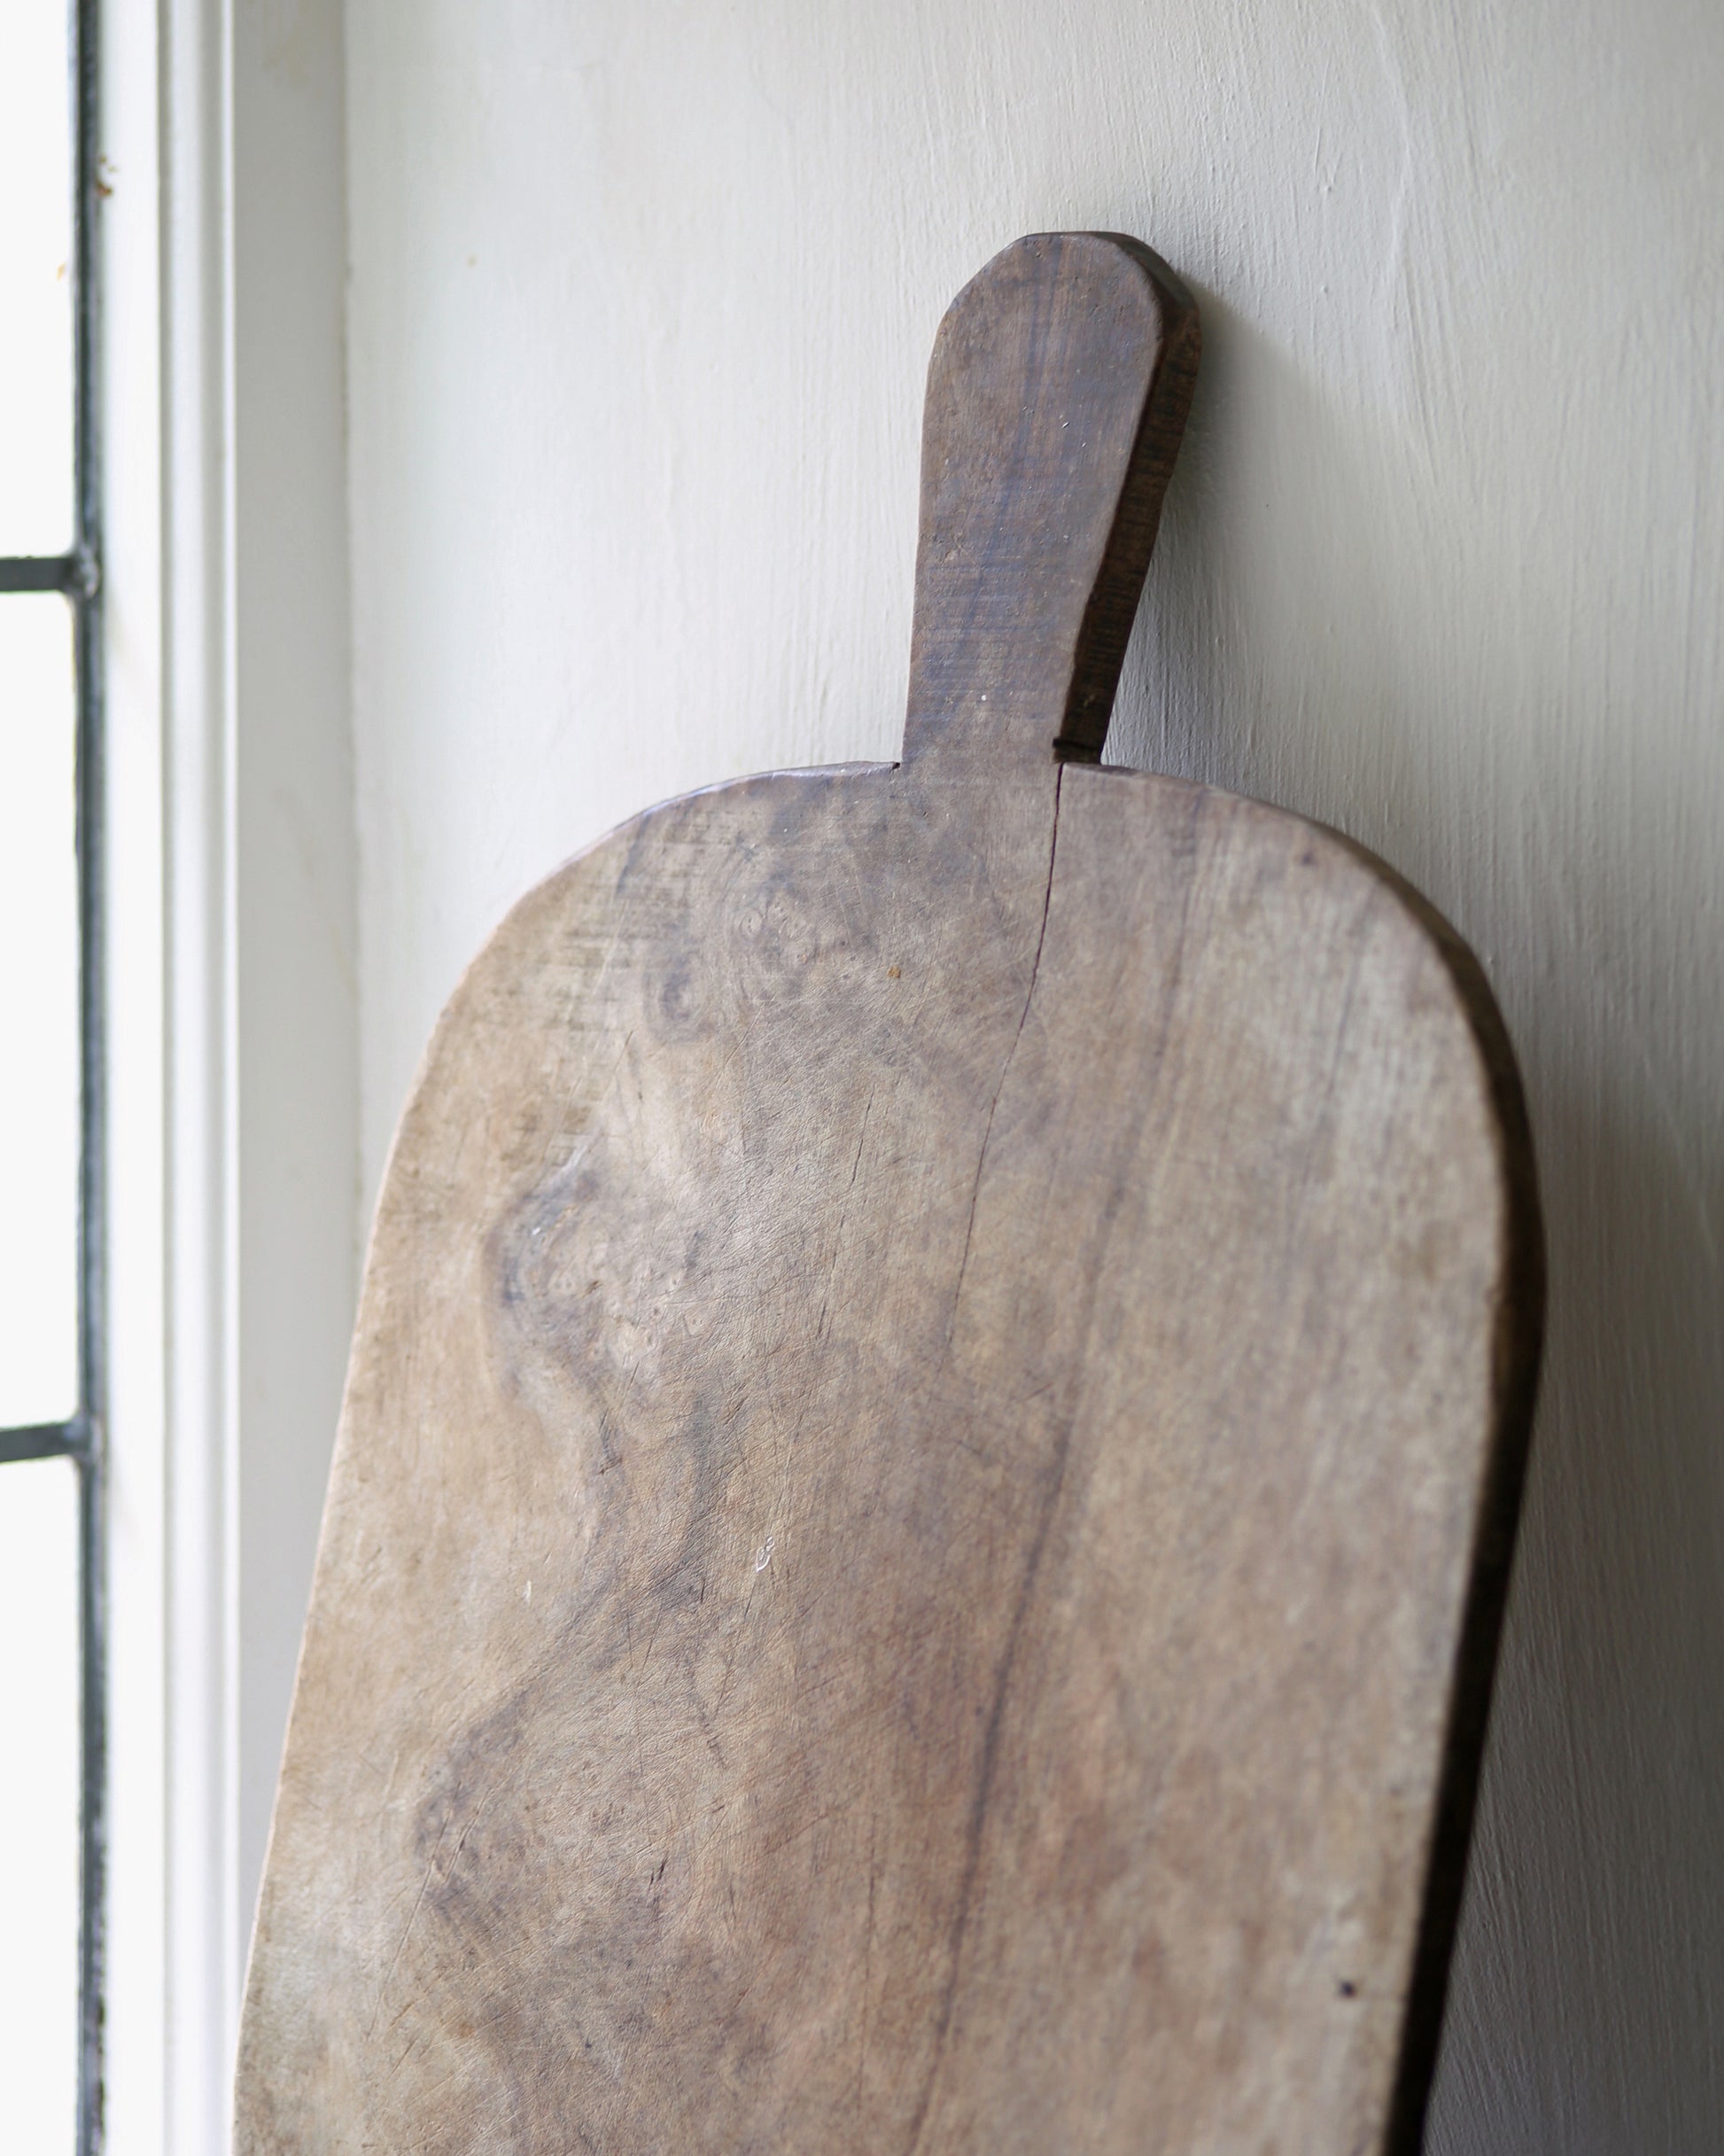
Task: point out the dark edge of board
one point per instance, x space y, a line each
1112 608
1516 1348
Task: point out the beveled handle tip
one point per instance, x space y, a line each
1057 393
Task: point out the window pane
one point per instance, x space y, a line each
35 278
39 1805
39 1080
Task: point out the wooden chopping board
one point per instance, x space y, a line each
924 1496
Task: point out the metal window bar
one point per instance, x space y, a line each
77 574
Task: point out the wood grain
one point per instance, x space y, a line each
921 1508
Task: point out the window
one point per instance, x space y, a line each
51 1470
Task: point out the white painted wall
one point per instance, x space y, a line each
641 297
294 898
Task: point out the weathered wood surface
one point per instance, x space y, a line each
914 1552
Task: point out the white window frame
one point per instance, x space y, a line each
232 1022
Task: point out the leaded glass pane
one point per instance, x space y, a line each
39 1074
35 279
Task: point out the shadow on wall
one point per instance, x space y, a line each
1598 1867
1597 1870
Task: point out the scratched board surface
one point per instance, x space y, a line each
921 1504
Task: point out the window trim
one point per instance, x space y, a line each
228 768
217 849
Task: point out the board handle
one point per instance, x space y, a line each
1057 393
